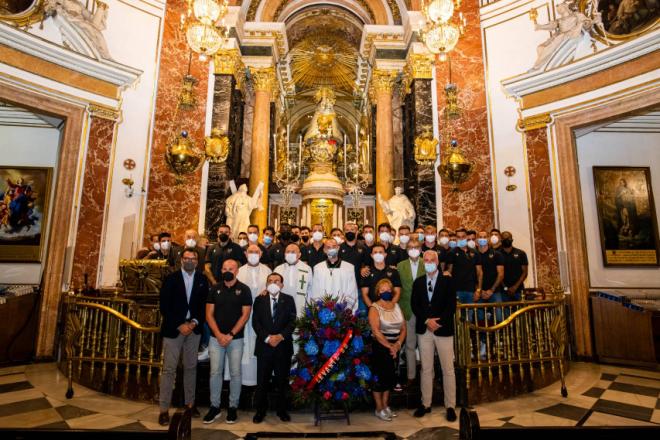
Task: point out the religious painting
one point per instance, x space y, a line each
623 19
626 216
25 193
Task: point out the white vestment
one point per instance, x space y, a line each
297 283
338 282
255 278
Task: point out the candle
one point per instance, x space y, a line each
287 152
345 158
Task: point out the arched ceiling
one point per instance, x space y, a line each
378 11
328 19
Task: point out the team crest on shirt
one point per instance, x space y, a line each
491 256
359 250
237 292
515 255
389 273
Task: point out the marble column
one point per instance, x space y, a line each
425 201
383 83
264 83
93 197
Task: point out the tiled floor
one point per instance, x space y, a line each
33 396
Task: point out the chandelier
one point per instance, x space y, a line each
442 30
205 27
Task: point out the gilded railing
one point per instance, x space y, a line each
110 336
499 342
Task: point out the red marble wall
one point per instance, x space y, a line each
172 207
92 202
542 206
472 205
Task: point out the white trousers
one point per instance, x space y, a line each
428 343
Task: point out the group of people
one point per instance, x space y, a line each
249 293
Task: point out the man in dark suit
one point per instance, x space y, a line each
182 308
433 303
273 320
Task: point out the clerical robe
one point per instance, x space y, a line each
255 278
336 281
297 283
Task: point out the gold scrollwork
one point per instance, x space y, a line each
425 147
533 122
228 62
216 146
102 112
383 81
264 78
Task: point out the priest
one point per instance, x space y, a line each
335 277
297 277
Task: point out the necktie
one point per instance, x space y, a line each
430 290
274 308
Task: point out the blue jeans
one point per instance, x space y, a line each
206 335
465 297
217 357
496 297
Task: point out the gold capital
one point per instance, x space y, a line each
102 112
383 81
227 62
535 121
420 66
264 78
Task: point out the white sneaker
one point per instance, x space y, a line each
383 415
203 355
390 413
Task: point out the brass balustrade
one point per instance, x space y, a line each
110 333
494 340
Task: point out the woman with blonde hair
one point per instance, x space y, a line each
388 328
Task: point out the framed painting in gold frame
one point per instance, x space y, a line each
24 198
626 216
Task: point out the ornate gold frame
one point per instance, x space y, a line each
32 14
604 37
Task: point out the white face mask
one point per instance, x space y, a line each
443 241
273 289
494 239
471 244
413 253
156 246
369 237
253 259
379 258
242 242
430 238
191 243
404 239
291 257
385 237
317 236
253 237
165 245
338 239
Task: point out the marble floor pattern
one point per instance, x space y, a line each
33 396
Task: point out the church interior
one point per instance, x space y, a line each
126 124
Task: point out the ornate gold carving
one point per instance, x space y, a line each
264 78
142 276
216 146
102 112
325 60
534 122
425 147
228 62
254 5
33 13
187 99
626 15
383 81
418 66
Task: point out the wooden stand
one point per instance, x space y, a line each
333 414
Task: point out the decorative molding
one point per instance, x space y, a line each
418 66
533 122
228 62
264 79
102 112
382 81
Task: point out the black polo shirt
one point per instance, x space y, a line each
489 262
312 256
171 257
217 254
376 275
464 272
265 255
393 255
513 267
276 254
357 255
229 302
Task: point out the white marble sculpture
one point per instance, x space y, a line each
239 206
81 28
569 37
399 209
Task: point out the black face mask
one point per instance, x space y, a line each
305 238
295 237
227 276
350 236
285 236
223 237
507 242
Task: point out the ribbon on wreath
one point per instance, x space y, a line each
327 366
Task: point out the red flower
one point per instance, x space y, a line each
328 333
327 395
356 361
344 395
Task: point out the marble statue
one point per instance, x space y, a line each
568 34
239 206
89 25
399 210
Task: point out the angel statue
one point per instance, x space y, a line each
239 206
399 209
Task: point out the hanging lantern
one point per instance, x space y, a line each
442 38
182 156
454 168
440 11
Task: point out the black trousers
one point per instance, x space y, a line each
278 362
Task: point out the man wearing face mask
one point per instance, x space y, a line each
335 277
419 230
515 268
253 238
492 264
167 250
228 308
191 241
409 270
368 236
404 238
393 253
495 239
378 271
314 253
253 274
243 240
298 277
295 234
273 321
466 270
223 250
304 235
433 303
430 239
268 238
277 250
182 302
354 251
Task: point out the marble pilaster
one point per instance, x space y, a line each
425 202
383 84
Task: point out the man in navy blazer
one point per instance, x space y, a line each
433 303
273 320
182 309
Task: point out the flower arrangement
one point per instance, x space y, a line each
332 360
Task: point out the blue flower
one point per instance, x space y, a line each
363 372
357 344
341 376
338 395
330 347
304 373
311 348
326 316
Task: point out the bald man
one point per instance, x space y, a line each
191 241
298 277
433 303
335 277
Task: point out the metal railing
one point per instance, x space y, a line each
509 339
110 334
